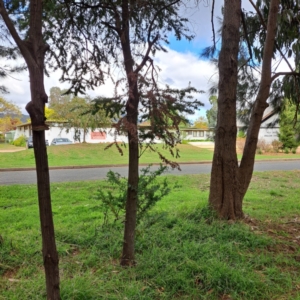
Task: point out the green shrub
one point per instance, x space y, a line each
241 134
150 191
185 142
286 151
294 150
20 141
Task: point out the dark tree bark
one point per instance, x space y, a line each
33 50
127 258
229 182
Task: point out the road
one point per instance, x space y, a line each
65 175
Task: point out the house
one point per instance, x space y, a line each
269 127
9 136
192 134
61 129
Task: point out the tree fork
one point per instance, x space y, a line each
229 182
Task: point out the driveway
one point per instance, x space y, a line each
206 145
13 150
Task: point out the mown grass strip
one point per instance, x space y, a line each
94 154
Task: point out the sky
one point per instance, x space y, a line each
180 66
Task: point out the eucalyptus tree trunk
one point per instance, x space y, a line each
247 162
224 186
229 182
33 50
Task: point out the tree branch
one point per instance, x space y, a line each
146 57
155 16
212 23
246 34
265 26
276 75
8 22
151 43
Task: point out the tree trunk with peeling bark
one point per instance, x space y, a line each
33 50
229 181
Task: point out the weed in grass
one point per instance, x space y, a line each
276 194
150 191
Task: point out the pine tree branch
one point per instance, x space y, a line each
265 27
151 43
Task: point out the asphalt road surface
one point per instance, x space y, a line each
67 175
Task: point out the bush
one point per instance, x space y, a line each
259 151
150 191
241 134
263 146
277 145
20 141
185 142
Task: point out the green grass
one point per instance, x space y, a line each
275 156
182 252
94 154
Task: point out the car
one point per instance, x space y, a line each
61 141
29 142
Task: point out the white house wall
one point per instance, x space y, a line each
269 129
22 131
196 135
100 135
268 134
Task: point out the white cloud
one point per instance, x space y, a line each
177 70
180 69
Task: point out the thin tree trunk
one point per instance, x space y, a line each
224 197
36 109
127 258
229 182
247 162
33 50
50 255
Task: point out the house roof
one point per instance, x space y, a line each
47 122
268 113
197 129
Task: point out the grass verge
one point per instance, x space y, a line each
94 154
182 251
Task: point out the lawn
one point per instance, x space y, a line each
95 154
182 251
